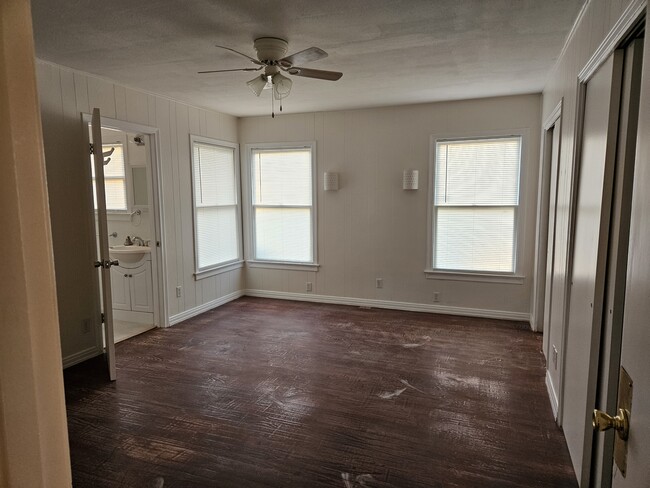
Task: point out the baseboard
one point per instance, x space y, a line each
193 312
81 356
552 395
136 317
408 306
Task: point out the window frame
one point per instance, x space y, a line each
212 270
118 140
250 252
515 276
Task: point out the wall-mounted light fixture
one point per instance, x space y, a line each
410 179
330 181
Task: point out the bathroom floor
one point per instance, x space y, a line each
123 330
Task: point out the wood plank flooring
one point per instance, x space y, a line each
269 393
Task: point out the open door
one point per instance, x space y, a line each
104 261
636 331
590 250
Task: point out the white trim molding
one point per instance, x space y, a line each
436 274
552 396
193 312
627 21
391 305
81 356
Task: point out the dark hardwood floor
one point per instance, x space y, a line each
261 393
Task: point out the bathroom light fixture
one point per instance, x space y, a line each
330 181
410 179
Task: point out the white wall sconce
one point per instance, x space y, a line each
410 179
330 181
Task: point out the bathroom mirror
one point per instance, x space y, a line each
140 193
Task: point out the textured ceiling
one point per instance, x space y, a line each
391 52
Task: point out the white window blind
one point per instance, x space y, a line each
476 196
114 179
216 208
282 202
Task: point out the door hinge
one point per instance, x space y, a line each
91 147
103 317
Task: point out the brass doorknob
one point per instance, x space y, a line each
621 423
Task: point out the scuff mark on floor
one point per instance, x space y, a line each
360 480
404 382
413 345
387 395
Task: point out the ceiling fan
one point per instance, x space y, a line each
272 58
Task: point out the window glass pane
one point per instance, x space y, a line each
282 177
283 234
216 235
475 239
115 194
478 172
214 175
115 167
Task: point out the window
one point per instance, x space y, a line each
282 204
114 179
216 203
475 203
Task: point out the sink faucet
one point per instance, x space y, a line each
137 241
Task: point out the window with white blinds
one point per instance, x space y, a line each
475 202
114 179
216 203
282 204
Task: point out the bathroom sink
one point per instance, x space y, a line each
129 254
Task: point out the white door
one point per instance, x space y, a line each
588 271
635 351
104 262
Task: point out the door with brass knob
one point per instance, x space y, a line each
621 423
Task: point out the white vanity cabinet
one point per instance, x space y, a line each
132 287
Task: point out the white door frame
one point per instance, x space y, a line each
161 307
624 27
634 14
543 203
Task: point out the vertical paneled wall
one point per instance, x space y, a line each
371 228
597 20
64 94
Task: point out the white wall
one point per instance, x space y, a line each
371 228
65 93
597 20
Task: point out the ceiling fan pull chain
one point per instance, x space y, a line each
272 105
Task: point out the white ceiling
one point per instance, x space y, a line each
391 52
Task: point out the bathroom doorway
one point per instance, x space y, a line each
134 228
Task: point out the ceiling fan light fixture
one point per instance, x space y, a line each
257 84
281 86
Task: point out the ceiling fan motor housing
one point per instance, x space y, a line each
270 49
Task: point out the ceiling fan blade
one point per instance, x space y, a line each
315 73
306 56
252 60
224 70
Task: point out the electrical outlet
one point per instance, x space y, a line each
179 291
86 326
380 283
308 286
554 357
436 296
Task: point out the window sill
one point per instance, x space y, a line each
283 265
435 274
223 268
